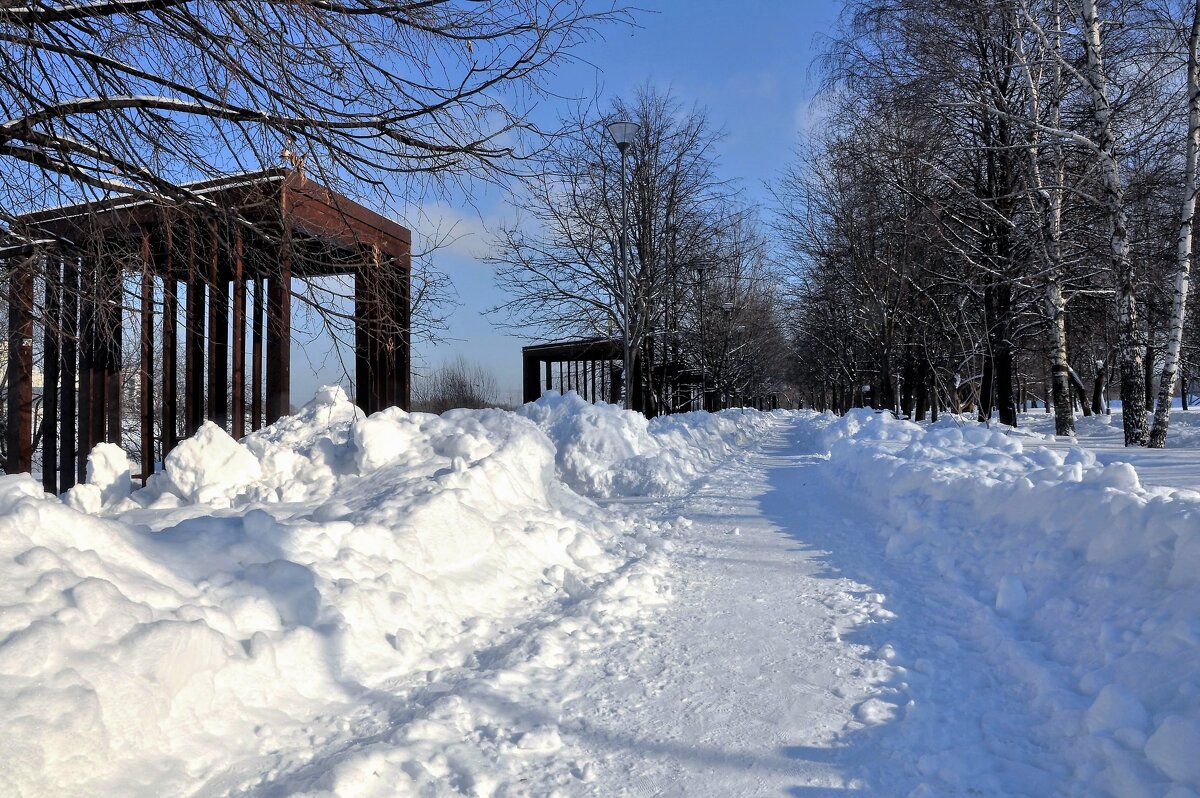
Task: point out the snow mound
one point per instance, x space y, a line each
1101 573
265 599
603 451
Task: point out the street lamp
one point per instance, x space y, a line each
623 133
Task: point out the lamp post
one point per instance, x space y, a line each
623 133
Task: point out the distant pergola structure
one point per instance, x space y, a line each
215 282
591 367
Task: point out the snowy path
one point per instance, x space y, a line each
742 678
777 669
795 657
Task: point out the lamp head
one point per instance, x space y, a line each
623 133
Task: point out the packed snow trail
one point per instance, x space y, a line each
742 683
776 671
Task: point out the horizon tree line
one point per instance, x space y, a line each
998 205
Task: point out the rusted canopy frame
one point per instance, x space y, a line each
594 354
84 306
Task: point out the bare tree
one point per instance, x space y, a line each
382 100
692 245
981 192
1112 201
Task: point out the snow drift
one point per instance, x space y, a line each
1093 577
261 601
604 452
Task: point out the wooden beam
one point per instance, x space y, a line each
531 368
404 338
87 361
238 390
385 323
398 354
391 318
146 365
279 336
111 283
170 344
193 348
363 365
68 445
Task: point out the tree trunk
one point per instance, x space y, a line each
1002 352
1112 197
985 389
1081 393
1183 247
907 394
1148 369
922 392
1050 198
1060 382
1098 388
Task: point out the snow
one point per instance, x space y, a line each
573 600
108 480
603 452
1092 577
263 608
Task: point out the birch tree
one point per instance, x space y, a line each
1112 204
1183 253
1045 108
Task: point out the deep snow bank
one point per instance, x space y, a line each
1101 573
603 451
258 601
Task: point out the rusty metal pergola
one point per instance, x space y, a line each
219 270
592 368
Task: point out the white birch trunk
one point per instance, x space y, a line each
1133 389
1050 200
1183 250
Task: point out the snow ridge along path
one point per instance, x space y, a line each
334 605
748 604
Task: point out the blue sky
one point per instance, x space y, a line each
749 64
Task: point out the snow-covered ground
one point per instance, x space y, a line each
569 600
1176 466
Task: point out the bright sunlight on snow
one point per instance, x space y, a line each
573 600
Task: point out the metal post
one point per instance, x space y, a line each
627 366
70 387
146 362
